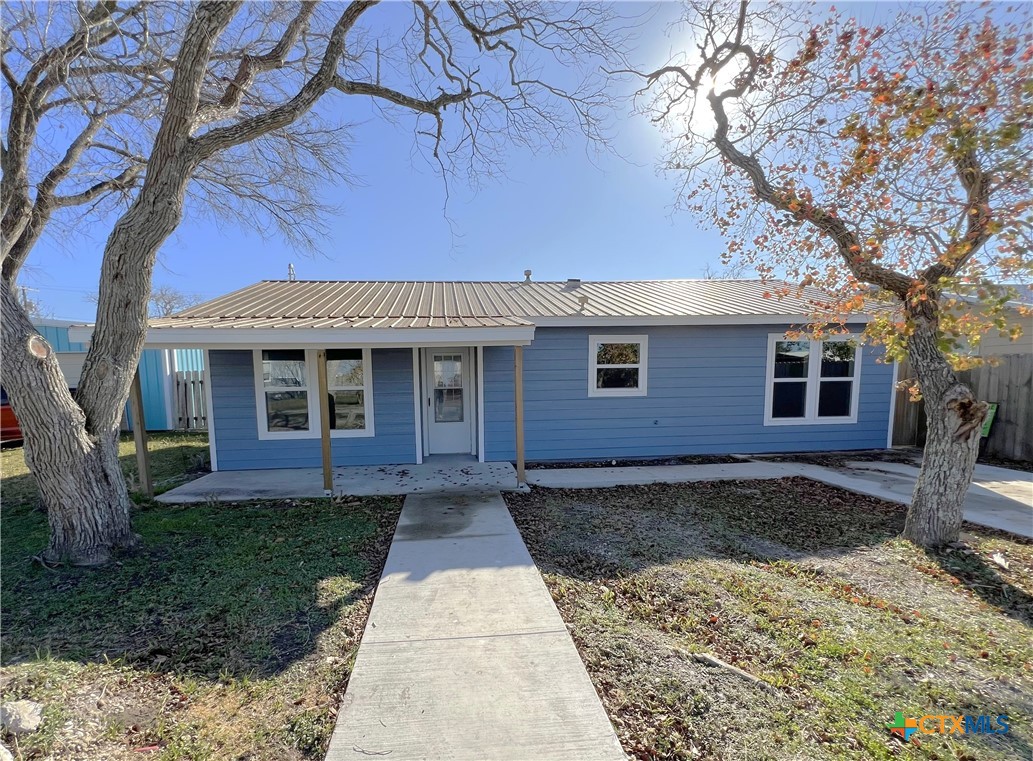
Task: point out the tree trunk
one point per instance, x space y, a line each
79 478
954 419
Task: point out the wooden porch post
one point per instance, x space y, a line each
324 423
518 401
143 462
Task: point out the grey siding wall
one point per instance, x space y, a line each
705 396
236 425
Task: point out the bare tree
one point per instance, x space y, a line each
166 300
156 109
888 159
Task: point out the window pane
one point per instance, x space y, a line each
343 367
834 398
617 377
791 359
448 371
283 367
617 354
788 400
837 359
448 405
347 410
287 410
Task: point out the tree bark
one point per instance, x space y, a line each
80 481
954 418
71 445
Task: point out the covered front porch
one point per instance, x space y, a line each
431 476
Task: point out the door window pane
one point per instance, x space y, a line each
283 368
617 354
343 367
347 410
616 377
287 410
834 398
788 400
448 371
837 359
791 359
448 405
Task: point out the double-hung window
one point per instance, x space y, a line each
617 365
285 392
348 385
812 381
288 401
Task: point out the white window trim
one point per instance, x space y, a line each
813 381
313 432
643 364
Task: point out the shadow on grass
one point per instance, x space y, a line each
233 590
983 580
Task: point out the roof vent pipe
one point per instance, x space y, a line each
527 276
573 282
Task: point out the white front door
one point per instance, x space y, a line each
448 390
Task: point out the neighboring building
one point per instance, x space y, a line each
1017 312
158 369
610 370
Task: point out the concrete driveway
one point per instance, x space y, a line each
999 497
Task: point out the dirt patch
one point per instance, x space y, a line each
801 585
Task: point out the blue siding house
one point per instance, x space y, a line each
583 370
157 371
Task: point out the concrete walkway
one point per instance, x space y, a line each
999 498
465 656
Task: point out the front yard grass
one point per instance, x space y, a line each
801 585
229 634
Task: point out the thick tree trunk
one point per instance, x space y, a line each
954 417
78 474
71 445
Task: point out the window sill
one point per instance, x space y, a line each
810 421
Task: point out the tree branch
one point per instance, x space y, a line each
251 66
248 129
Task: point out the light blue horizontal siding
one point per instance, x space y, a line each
705 396
236 423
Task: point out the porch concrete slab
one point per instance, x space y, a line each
465 656
364 481
428 477
241 485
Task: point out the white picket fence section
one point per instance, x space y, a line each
191 412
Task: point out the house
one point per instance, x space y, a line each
547 370
158 373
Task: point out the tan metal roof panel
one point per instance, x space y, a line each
327 303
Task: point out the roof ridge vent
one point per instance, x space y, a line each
573 282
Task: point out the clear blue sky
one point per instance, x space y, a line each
569 215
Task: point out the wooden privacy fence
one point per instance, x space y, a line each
191 412
1009 384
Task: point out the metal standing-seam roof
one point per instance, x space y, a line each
415 304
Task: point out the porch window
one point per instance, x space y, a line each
287 398
285 390
617 365
811 381
348 384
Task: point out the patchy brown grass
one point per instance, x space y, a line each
230 634
801 585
